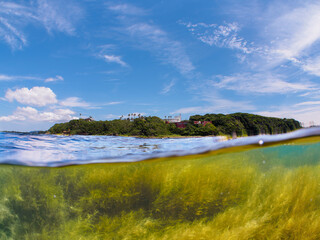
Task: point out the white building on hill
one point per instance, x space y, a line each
171 119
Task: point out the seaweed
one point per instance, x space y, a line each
256 194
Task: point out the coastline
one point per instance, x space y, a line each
226 137
230 125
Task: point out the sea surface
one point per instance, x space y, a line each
57 150
106 187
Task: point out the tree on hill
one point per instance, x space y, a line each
240 123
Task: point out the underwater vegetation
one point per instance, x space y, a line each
264 193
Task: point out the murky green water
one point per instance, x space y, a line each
262 193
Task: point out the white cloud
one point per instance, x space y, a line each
157 41
288 35
307 116
36 96
53 15
167 88
10 14
74 102
111 103
295 30
127 9
54 79
32 114
4 77
217 105
58 15
281 40
310 65
114 59
15 9
11 35
263 83
148 36
283 34
78 102
308 103
223 36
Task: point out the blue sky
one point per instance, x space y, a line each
60 59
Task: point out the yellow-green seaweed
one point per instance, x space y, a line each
263 193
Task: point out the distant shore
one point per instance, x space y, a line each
150 137
173 137
230 125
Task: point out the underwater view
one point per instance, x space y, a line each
159 120
262 187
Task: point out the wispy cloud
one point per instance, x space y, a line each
310 65
157 41
167 88
290 36
308 116
114 59
126 9
283 35
261 83
11 35
223 36
286 41
74 102
4 77
308 103
150 37
275 54
295 31
79 103
217 105
111 103
10 21
53 15
54 79
58 15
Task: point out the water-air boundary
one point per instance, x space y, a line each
301 136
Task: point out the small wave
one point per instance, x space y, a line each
58 151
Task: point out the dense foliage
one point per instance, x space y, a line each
248 124
238 123
148 126
265 193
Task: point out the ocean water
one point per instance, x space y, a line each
261 187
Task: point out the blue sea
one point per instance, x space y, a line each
109 187
57 150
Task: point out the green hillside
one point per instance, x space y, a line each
241 124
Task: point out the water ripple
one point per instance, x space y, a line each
54 151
